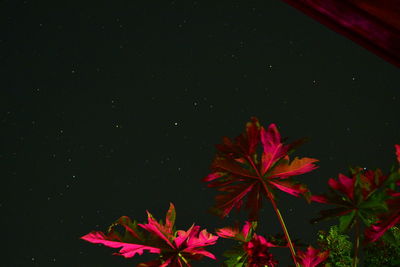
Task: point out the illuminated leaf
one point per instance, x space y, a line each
244 176
312 257
357 197
176 248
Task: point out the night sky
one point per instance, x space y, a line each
112 108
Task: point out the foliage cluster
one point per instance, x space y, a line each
256 166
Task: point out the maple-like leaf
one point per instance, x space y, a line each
176 248
257 252
253 249
386 220
360 196
235 233
240 173
312 257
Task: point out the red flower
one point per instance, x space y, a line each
176 248
239 172
312 257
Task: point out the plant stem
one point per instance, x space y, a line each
183 258
280 218
356 243
285 231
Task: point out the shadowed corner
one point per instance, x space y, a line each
375 25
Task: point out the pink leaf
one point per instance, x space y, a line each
227 232
154 227
228 201
296 167
312 257
273 148
237 170
127 250
290 187
170 219
344 185
174 247
320 199
213 176
235 233
386 221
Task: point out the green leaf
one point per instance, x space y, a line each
236 257
234 262
376 201
346 221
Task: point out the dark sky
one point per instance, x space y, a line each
112 108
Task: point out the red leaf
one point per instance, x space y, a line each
127 250
243 235
255 246
386 220
312 257
320 199
175 247
359 197
296 167
290 187
157 229
397 147
193 239
273 148
213 176
257 252
170 219
253 135
344 185
374 232
231 166
238 172
225 203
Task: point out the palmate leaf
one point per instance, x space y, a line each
312 257
131 243
176 248
358 197
243 235
385 220
391 217
253 249
244 177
